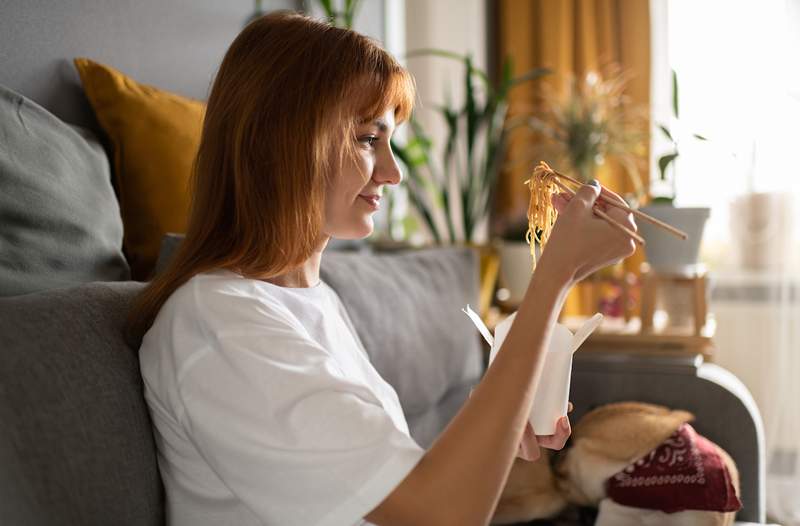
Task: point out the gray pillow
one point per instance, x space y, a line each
406 308
59 218
76 446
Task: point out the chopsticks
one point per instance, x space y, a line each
611 201
622 228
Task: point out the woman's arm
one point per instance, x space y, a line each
461 477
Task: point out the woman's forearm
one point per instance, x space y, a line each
461 477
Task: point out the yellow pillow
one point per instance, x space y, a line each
155 135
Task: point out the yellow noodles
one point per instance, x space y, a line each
541 213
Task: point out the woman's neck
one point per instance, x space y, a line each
304 276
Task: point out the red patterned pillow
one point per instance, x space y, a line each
685 472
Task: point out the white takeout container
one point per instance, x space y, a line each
552 394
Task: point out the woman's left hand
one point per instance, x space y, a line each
529 446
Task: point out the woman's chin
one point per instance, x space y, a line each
359 231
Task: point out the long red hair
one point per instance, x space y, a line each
280 120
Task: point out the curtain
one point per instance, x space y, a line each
572 38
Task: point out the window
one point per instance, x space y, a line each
738 67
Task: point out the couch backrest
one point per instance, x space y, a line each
75 442
406 308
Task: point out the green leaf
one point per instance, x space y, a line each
508 71
327 5
674 93
664 162
666 132
469 108
350 8
423 52
663 200
699 137
509 83
531 75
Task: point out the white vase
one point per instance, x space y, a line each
761 228
515 269
665 252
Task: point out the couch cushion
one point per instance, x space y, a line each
60 219
406 308
155 135
76 445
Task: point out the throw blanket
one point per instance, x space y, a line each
685 472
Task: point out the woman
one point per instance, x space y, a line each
265 407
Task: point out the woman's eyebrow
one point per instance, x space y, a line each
379 123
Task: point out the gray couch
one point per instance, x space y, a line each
76 446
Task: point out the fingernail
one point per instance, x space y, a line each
594 182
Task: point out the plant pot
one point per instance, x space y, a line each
761 229
515 269
665 252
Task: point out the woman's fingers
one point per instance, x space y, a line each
560 201
617 213
559 438
586 196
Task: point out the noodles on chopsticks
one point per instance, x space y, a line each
541 212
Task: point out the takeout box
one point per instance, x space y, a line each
552 394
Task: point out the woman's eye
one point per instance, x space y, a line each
369 140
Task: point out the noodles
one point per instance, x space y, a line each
541 213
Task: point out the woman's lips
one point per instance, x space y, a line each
372 200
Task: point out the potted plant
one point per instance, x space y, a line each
664 252
593 123
453 192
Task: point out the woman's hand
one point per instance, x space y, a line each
581 242
530 443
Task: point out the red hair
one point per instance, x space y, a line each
286 98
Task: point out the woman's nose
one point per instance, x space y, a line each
387 171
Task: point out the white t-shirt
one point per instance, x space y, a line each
266 408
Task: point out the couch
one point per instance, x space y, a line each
76 446
75 442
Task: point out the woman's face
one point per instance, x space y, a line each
354 194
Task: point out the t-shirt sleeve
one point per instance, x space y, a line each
291 437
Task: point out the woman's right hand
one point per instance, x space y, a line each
582 242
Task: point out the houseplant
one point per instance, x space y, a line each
453 192
664 252
594 122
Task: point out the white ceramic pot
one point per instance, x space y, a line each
515 269
761 229
665 252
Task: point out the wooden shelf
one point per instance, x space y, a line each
618 336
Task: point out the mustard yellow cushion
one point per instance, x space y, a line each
155 135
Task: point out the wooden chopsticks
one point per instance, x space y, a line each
611 201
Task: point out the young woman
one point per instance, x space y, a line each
265 407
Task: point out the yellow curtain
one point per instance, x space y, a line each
571 38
